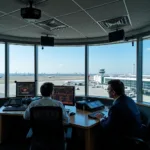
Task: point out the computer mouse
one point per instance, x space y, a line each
72 113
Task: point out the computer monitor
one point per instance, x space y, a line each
25 89
65 94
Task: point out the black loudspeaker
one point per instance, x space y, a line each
116 36
47 41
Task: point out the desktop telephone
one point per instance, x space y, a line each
90 105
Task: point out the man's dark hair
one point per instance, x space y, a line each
117 86
47 89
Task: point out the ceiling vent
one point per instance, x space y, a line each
115 23
51 24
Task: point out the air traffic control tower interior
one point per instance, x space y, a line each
78 43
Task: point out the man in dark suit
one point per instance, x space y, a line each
123 117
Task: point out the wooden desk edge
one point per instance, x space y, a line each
84 127
20 113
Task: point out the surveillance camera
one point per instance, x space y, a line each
42 47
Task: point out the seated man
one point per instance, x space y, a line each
46 100
123 117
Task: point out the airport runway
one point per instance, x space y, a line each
80 90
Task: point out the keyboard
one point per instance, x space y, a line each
67 110
12 108
93 115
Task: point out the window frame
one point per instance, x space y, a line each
139 62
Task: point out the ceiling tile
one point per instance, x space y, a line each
67 33
83 23
28 31
2 28
68 12
137 5
1 14
140 19
32 31
11 22
108 11
58 7
91 3
128 28
10 5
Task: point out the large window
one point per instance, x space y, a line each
2 70
62 66
146 71
21 65
116 61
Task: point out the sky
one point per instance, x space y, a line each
114 58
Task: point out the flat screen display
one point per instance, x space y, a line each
65 94
25 89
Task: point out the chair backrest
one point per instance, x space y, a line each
47 127
134 143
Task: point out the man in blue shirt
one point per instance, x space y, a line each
46 100
123 117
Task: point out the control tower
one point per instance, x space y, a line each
102 72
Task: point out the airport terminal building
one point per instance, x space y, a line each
129 82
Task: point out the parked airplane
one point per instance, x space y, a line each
51 76
74 82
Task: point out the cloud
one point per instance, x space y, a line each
148 49
60 65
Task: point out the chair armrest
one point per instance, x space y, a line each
135 139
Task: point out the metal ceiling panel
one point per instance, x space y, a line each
137 5
2 28
140 19
28 31
58 7
83 23
1 14
67 33
92 3
11 22
8 6
108 11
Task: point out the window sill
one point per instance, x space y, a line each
143 104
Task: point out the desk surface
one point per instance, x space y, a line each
80 119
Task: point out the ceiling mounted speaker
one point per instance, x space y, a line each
116 36
47 41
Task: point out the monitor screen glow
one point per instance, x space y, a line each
25 89
65 94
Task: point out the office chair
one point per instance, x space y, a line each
132 143
47 127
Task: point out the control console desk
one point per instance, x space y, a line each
79 120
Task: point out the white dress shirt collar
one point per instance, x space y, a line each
47 98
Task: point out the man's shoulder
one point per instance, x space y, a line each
129 100
124 99
57 102
34 102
